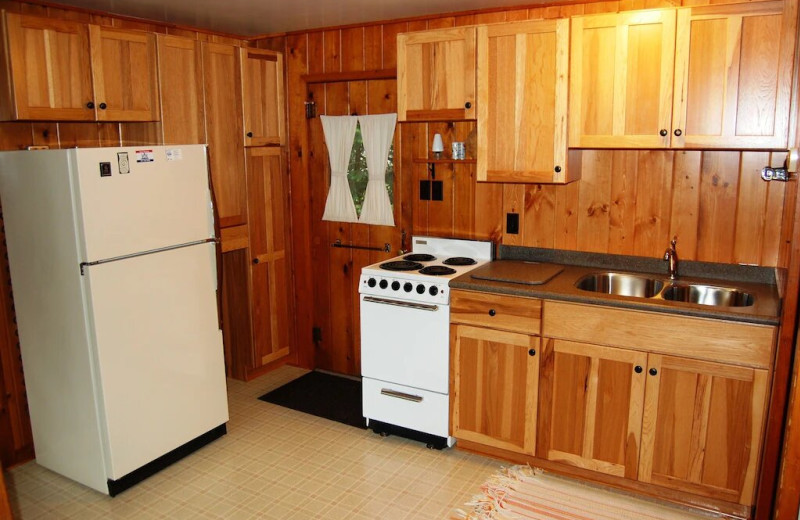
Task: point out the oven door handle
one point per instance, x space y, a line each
410 305
401 395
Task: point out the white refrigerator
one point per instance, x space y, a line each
113 271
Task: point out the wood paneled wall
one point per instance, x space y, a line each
627 202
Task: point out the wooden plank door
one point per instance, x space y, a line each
51 68
621 73
590 410
223 107
180 77
494 381
436 75
125 74
522 102
733 69
263 97
267 184
702 427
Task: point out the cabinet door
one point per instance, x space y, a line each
436 75
262 86
522 102
50 68
733 69
621 80
269 278
125 74
702 427
224 131
494 387
590 411
180 78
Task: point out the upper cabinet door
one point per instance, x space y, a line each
522 102
180 78
125 74
436 75
733 67
262 88
49 61
223 109
621 80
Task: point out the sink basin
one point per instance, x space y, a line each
620 284
708 295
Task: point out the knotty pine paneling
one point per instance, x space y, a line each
627 202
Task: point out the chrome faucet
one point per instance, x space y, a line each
671 256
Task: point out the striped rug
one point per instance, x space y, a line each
522 492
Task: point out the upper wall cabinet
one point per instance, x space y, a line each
700 77
262 88
733 77
436 75
180 75
621 80
522 103
60 70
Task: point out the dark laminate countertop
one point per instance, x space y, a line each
758 281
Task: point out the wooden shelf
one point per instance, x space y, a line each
424 160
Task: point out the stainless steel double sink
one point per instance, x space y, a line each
643 286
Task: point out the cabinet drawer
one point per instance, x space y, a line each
496 311
699 338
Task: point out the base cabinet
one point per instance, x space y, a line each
495 381
591 404
702 427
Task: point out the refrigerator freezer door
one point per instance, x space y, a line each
158 203
159 353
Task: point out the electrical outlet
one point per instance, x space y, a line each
512 223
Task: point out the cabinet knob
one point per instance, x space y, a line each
103 106
249 134
557 169
255 260
653 372
532 352
663 132
90 104
467 105
638 369
677 132
492 312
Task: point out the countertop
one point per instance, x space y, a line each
765 309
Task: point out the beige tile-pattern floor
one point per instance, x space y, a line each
274 463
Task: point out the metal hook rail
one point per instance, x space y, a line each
385 249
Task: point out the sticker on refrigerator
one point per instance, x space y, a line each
174 154
122 161
144 156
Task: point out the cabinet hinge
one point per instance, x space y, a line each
311 109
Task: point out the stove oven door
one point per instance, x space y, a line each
405 342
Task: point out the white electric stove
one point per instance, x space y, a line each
405 322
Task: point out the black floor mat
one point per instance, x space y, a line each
324 395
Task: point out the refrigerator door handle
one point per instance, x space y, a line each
83 265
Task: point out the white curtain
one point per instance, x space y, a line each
377 132
339 134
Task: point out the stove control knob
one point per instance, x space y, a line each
384 284
407 287
420 289
371 282
433 290
395 285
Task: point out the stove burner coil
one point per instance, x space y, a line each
460 260
419 257
401 265
437 270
